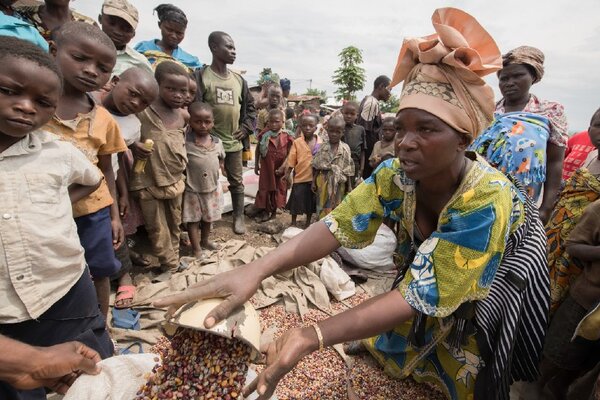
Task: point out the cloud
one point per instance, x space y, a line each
301 39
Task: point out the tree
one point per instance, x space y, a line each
350 76
390 106
267 75
316 92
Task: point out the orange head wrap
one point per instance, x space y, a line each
442 72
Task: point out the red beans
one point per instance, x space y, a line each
198 365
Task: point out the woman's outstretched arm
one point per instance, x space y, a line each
237 286
379 314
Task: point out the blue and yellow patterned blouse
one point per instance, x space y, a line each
458 262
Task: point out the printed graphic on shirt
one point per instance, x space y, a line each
224 96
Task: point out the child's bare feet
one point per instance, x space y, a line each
184 240
199 254
209 245
138 259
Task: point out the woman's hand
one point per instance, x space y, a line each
282 356
238 285
235 287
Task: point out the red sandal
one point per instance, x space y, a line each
125 292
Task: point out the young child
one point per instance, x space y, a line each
271 152
203 196
192 90
384 149
160 186
290 120
132 92
573 340
302 199
86 55
355 137
274 96
46 294
119 19
332 169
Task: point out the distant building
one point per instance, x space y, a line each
303 102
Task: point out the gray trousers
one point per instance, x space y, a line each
234 170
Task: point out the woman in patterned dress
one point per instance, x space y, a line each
528 136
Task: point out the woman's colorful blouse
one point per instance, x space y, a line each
458 262
555 112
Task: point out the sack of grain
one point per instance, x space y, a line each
120 379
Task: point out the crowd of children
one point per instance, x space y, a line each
107 139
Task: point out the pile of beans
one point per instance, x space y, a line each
324 375
199 365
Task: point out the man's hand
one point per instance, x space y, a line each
55 367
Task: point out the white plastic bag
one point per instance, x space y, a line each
378 256
336 280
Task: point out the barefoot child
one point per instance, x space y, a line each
86 56
302 199
46 294
160 186
384 148
332 169
355 137
271 152
203 196
132 92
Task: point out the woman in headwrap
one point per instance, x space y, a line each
468 309
50 15
172 22
528 136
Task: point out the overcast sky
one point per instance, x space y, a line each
301 40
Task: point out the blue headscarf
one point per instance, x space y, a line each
285 84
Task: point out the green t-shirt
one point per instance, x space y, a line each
225 96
